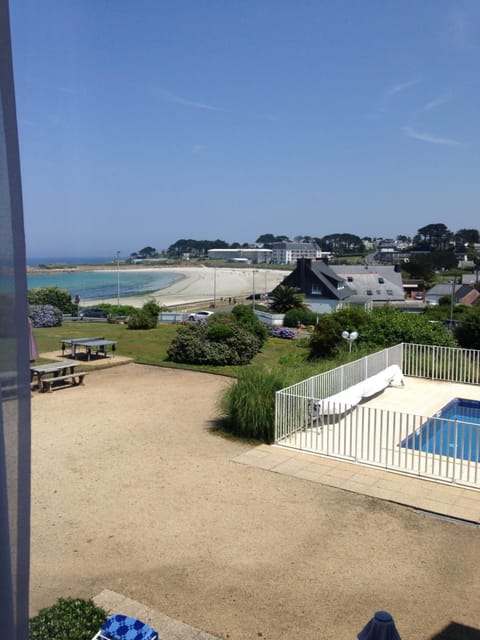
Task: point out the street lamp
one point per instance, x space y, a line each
350 338
214 287
452 304
253 274
118 278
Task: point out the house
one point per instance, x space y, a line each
375 284
462 293
322 287
290 252
325 287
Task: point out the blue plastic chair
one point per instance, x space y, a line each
119 627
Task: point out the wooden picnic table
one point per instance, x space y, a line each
48 374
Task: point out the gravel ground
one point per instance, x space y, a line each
132 491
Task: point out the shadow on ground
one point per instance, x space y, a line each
456 631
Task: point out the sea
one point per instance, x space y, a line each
98 285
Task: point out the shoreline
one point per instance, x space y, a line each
202 284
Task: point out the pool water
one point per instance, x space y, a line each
453 431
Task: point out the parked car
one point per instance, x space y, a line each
200 316
92 312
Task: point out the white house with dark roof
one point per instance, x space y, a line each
326 287
323 289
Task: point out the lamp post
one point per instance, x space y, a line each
118 278
350 338
214 287
253 275
452 304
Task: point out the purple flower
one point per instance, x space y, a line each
45 315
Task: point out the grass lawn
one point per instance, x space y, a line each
150 346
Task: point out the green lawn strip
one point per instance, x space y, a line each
150 347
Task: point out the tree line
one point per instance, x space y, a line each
436 237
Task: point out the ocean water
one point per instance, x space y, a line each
95 285
35 261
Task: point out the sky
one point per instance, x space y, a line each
144 121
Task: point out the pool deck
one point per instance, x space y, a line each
418 396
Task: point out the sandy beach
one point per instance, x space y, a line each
144 499
202 284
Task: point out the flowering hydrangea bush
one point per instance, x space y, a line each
45 315
286 333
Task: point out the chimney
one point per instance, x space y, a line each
303 264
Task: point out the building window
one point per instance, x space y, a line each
316 288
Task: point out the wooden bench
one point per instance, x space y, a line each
74 378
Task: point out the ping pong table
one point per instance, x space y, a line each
95 344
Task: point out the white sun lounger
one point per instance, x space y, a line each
346 400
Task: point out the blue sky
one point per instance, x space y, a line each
144 121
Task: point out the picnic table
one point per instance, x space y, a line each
48 374
98 345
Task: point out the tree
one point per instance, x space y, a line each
419 268
466 237
267 239
195 247
342 243
285 298
148 252
436 236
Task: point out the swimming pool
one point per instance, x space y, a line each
453 431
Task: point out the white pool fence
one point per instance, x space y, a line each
380 437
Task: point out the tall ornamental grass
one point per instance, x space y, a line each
248 405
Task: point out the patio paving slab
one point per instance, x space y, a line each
417 493
167 628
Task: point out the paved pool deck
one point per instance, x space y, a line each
418 396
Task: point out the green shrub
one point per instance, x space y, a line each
327 336
468 331
213 343
294 316
53 296
142 320
249 404
152 308
387 326
117 309
219 332
245 317
68 619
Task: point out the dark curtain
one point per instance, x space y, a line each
14 365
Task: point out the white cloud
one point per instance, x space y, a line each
403 86
427 137
170 97
433 104
462 31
